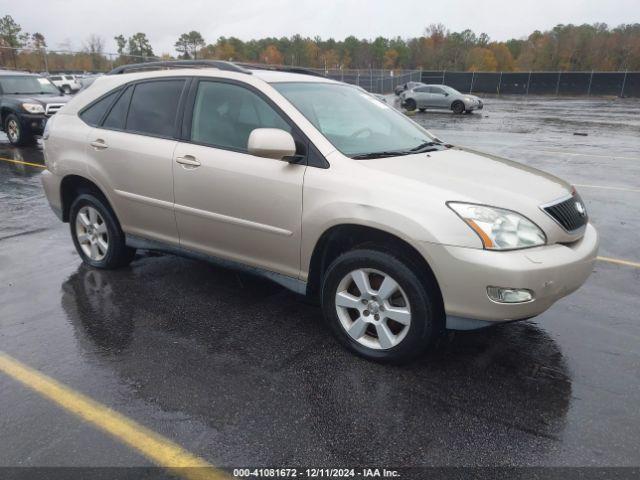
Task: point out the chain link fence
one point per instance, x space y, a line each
622 84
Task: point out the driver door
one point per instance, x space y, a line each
439 97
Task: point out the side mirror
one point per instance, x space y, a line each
446 94
271 143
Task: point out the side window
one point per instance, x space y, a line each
54 79
437 90
153 107
422 89
118 114
95 112
225 114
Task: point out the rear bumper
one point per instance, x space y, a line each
51 185
550 272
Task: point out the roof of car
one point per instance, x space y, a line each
275 76
18 73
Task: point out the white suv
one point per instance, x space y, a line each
66 83
321 187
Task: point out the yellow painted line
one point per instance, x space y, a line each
20 162
617 261
156 448
623 189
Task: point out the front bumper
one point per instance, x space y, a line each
550 271
33 123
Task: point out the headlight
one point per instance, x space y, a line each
499 229
33 107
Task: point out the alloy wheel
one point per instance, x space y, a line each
13 130
91 232
373 309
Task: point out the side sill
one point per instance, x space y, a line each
290 283
462 323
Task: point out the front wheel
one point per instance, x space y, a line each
96 233
15 133
378 307
457 107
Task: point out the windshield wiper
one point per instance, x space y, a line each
425 147
393 153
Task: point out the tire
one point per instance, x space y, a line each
411 295
422 110
91 218
457 107
410 105
66 89
15 133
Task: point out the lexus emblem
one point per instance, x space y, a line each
580 209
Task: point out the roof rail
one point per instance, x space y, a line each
167 65
281 68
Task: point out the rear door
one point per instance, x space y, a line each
229 203
132 151
422 96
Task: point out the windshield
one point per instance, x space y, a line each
27 85
355 122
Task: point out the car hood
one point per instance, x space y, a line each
466 175
37 98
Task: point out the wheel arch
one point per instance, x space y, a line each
341 238
73 185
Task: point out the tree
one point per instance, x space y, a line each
481 59
94 46
11 37
189 43
139 46
121 43
272 55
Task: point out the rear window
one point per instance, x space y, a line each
153 107
93 114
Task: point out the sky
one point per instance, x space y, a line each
67 23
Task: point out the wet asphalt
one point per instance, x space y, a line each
242 372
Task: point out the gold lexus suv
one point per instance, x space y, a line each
321 187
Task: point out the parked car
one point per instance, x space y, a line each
406 86
87 80
66 83
320 187
439 96
27 101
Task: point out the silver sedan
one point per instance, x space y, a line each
439 96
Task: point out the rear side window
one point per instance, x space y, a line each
95 112
55 79
118 114
153 107
422 89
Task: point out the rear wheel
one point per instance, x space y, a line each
96 233
457 107
410 105
378 307
66 89
15 133
423 110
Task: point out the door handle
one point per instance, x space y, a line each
188 160
99 144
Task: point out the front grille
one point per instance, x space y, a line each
571 213
53 108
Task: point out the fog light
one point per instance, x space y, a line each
509 295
